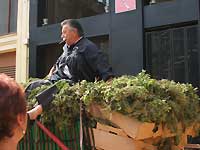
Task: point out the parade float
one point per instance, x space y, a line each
129 112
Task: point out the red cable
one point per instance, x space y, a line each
52 136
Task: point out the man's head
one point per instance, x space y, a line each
71 31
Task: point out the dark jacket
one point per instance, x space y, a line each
82 61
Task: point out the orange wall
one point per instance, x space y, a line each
8 59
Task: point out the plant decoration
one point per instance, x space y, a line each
149 100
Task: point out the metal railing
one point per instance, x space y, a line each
36 139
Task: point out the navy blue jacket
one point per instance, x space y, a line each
82 61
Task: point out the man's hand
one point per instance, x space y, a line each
110 80
51 72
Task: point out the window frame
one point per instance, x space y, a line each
8 27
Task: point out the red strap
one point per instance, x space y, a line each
52 136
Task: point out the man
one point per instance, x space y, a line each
80 60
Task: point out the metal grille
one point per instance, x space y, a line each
36 139
173 54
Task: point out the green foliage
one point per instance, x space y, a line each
65 108
149 100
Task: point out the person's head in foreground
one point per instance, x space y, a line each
13 118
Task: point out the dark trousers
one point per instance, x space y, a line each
36 84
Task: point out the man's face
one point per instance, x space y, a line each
68 34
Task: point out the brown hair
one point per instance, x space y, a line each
12 103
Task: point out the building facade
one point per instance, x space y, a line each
14 35
160 36
8 37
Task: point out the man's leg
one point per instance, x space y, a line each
37 110
34 85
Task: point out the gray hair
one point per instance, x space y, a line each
74 24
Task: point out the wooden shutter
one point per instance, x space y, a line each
8 70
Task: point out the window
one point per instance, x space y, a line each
102 42
8 63
158 58
173 54
46 58
13 16
8 16
56 11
